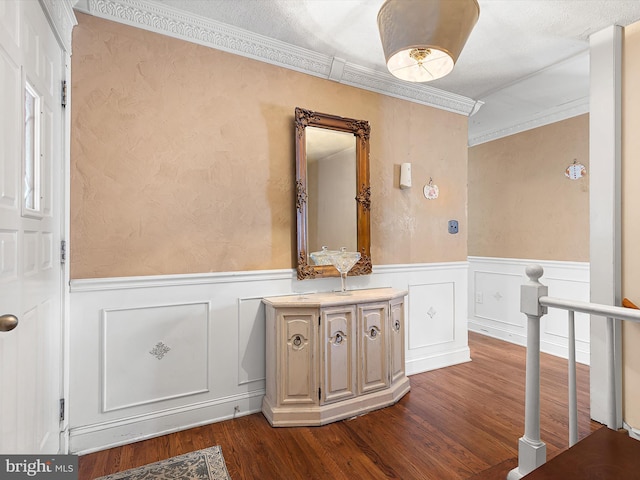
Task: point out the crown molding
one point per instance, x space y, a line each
175 23
387 84
62 19
546 117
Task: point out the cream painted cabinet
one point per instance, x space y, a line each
297 357
337 362
396 340
373 363
331 356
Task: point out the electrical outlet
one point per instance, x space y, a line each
479 297
453 226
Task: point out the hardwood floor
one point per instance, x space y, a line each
459 422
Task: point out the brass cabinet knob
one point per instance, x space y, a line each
8 322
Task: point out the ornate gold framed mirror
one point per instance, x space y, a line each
333 201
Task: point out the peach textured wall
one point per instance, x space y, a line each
182 160
521 204
631 218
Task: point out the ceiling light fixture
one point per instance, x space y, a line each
422 39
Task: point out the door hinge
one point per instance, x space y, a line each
63 252
61 409
63 93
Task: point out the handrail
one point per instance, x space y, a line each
619 313
534 302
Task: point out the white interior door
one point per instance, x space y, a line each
31 207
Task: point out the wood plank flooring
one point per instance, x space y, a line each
459 422
604 455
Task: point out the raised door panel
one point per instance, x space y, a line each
297 370
338 354
11 146
396 340
373 365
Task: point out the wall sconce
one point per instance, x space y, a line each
430 190
405 175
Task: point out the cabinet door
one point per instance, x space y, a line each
296 372
396 339
338 354
373 363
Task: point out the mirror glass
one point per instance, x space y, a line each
332 214
332 190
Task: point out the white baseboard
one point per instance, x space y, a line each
435 361
494 302
633 432
500 334
115 433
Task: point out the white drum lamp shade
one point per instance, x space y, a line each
422 39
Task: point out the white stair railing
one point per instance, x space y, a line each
534 302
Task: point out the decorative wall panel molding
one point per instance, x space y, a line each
160 350
169 281
494 302
175 23
134 339
121 328
499 296
436 322
251 346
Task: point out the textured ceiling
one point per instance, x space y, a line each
512 39
525 64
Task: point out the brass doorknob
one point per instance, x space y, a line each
8 323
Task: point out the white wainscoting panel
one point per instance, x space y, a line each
499 295
494 302
435 324
436 319
161 350
126 386
251 335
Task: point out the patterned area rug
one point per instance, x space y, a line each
207 464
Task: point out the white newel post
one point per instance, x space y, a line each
532 452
